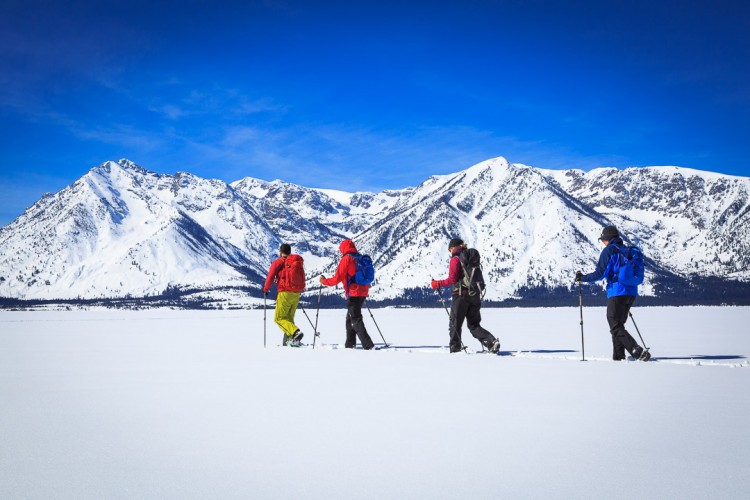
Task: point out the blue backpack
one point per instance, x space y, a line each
365 273
628 265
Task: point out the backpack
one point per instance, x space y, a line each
628 266
473 279
365 273
293 277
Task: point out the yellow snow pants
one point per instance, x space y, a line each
286 307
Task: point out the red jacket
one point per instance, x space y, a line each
274 276
346 269
454 271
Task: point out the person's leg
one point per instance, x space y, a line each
473 320
618 350
617 315
351 334
354 304
297 335
631 345
293 309
286 305
459 307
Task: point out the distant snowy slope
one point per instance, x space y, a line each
121 231
315 221
691 221
306 216
530 233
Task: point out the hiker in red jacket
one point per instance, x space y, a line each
355 296
289 275
464 304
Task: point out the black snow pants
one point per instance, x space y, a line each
355 324
469 308
617 314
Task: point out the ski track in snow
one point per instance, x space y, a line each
700 360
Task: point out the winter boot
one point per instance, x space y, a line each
640 354
495 347
492 345
296 339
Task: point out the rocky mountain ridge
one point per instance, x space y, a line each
121 231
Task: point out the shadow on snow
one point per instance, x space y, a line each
716 357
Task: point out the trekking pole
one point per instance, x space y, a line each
376 324
637 330
443 301
317 313
463 347
264 320
580 305
306 316
311 324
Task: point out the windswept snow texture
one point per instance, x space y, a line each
170 404
121 231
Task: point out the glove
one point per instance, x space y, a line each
579 275
434 285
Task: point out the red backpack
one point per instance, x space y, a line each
293 277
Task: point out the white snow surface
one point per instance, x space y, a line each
176 404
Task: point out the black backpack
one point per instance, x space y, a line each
473 279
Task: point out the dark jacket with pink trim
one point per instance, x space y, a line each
455 272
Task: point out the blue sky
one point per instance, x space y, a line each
366 95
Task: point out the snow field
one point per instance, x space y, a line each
188 404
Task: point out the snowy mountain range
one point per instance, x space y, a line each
121 231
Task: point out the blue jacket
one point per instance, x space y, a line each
604 269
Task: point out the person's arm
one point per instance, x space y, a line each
454 272
272 273
601 266
341 273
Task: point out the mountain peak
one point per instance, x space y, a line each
110 168
499 163
126 164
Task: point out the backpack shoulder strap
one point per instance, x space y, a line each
610 272
466 274
350 278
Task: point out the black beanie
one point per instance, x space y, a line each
608 233
285 248
455 242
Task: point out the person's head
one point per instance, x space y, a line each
347 246
455 242
285 250
608 233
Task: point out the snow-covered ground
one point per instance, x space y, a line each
174 404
